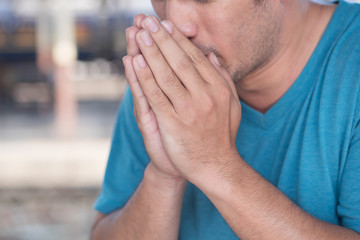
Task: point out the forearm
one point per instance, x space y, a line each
255 209
153 212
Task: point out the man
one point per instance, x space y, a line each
247 124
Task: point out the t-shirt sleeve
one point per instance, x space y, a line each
349 195
127 160
349 185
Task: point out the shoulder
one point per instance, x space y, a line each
339 63
343 65
345 25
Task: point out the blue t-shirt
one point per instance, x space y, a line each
307 144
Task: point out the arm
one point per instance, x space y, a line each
153 211
206 154
255 209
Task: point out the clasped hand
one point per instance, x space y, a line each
185 103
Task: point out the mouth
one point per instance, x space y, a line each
206 50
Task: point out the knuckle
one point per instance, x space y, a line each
170 79
161 105
157 99
146 76
156 94
183 63
209 104
197 56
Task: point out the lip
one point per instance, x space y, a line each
205 50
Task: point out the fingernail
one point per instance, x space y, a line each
215 59
146 38
151 24
167 25
140 61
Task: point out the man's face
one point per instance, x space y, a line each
244 34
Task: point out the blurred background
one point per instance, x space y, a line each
61 82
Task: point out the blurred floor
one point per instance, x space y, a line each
46 214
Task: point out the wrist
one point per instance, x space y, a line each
162 180
217 180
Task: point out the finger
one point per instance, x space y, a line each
180 62
204 67
141 105
165 77
235 103
159 103
226 76
132 47
138 20
198 58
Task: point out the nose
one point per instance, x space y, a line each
182 15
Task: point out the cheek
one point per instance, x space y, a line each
159 8
225 39
220 28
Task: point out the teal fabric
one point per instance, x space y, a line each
307 144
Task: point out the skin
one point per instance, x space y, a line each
253 39
191 70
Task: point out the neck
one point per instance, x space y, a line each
301 33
